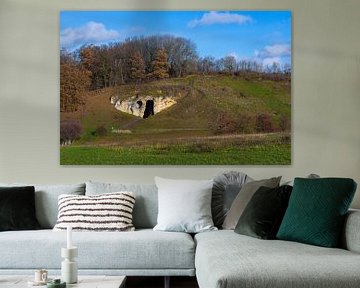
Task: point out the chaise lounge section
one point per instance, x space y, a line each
225 259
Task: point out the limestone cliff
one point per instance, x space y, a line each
143 106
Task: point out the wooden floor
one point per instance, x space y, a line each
158 282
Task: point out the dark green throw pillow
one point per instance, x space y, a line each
17 208
263 214
316 211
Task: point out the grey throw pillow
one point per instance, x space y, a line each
242 199
226 187
184 205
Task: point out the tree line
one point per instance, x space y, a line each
141 59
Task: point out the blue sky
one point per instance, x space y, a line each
264 36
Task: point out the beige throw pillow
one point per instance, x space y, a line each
243 198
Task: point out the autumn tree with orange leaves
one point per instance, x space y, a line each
160 66
74 81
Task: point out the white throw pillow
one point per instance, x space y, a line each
105 212
184 205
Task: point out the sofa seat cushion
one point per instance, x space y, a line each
142 249
225 259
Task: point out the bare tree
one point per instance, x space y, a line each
229 64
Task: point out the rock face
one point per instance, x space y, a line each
143 106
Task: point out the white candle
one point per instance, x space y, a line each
69 237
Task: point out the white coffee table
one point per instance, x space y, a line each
84 281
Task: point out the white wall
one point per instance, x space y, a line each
326 91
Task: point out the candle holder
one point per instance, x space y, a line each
69 271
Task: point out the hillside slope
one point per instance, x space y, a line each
202 99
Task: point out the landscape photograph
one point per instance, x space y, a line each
175 87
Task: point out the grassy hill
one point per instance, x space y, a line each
184 133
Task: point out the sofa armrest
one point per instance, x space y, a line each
351 234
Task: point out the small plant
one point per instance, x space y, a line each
69 131
200 148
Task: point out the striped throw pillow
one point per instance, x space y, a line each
105 212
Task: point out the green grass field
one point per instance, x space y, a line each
251 155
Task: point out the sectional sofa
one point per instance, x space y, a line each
219 259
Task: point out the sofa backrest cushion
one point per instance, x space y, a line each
146 204
46 200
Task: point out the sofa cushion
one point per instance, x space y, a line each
317 209
310 176
17 208
105 212
263 215
46 200
243 198
225 189
142 249
146 205
184 205
225 259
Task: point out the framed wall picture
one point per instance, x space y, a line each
175 87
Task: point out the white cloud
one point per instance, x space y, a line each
271 60
235 55
277 50
214 17
277 53
90 33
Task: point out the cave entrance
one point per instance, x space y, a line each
149 108
139 104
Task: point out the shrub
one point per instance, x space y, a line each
245 124
101 130
224 124
69 131
264 123
285 124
